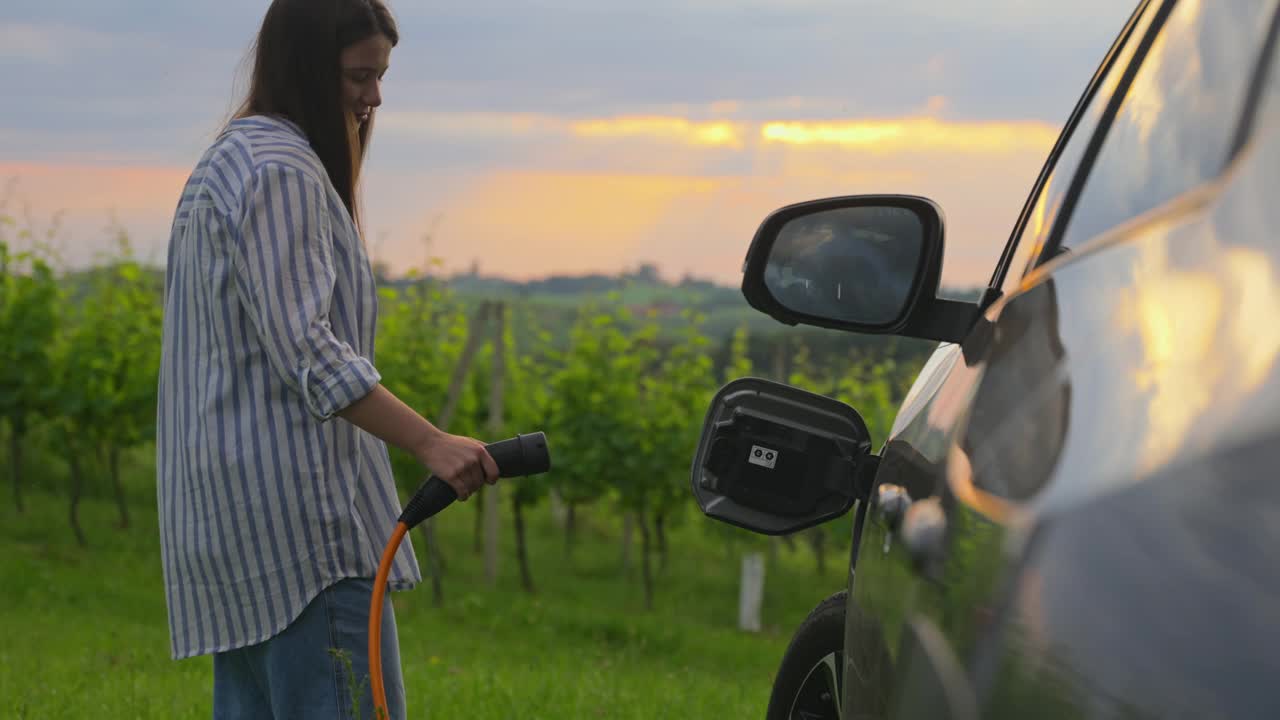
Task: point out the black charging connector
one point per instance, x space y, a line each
515 457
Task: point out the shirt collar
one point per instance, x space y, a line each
267 121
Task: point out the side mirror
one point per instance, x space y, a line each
775 459
864 263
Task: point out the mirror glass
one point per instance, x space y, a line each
853 264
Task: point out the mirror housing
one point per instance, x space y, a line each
908 305
775 459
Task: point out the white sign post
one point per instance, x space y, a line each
752 595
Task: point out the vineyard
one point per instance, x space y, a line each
620 391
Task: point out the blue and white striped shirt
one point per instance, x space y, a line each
270 309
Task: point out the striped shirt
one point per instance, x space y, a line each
265 498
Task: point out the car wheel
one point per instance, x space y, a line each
808 683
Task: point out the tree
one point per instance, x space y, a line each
28 322
870 388
107 362
594 414
29 301
132 312
804 375
421 337
674 401
528 400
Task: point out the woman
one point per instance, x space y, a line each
275 488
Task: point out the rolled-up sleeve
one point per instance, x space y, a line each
284 273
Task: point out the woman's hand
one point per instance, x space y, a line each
462 462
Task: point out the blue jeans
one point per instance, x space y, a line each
294 674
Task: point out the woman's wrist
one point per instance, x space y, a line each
386 417
422 447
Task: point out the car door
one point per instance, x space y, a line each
914 458
1022 421
1124 580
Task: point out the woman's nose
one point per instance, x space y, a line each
373 96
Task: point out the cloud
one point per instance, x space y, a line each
126 65
874 56
48 43
530 126
576 194
675 129
895 134
657 131
125 90
638 189
527 223
916 135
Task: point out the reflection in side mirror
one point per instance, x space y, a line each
860 263
848 264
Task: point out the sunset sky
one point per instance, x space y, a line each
565 136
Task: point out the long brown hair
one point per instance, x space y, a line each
297 76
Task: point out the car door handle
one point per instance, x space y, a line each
892 502
920 525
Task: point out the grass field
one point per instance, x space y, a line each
83 632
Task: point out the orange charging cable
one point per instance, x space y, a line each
520 455
375 623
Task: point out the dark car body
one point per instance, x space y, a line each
1093 467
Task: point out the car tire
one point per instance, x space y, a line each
807 686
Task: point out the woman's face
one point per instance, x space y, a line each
363 65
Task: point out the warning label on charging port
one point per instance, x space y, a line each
763 456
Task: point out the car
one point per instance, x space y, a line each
1077 510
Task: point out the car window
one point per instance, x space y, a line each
1265 110
1269 111
1035 228
1178 119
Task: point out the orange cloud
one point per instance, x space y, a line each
676 129
915 135
662 128
881 136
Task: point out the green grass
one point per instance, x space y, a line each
83 631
